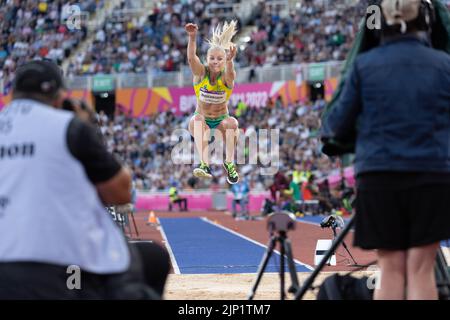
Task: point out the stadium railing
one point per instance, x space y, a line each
331 69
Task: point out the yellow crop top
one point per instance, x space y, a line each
214 94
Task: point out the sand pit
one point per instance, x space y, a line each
234 286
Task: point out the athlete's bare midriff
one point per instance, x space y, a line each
209 110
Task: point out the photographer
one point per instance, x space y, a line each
56 179
397 96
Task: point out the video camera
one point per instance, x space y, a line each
282 221
79 106
332 221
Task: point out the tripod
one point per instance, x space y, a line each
134 224
337 241
355 264
285 252
122 219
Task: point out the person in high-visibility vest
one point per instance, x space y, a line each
175 198
241 108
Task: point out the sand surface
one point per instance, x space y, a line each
234 286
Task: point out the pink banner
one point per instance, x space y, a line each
141 102
201 201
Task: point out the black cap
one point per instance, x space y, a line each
39 76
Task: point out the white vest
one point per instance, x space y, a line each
49 211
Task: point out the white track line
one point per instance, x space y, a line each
251 240
176 269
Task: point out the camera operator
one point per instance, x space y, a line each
397 96
57 178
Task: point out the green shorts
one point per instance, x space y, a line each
214 122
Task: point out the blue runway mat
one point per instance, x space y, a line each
200 247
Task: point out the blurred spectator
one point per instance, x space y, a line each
279 185
310 191
240 197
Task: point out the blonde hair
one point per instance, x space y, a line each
222 36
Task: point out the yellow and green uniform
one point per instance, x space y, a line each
214 94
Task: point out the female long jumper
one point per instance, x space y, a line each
213 85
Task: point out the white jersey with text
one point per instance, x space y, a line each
49 211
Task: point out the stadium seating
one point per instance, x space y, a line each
37 30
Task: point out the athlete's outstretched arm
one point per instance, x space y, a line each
230 73
198 69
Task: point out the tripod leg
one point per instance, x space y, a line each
442 276
282 256
334 252
348 251
299 295
263 265
121 222
134 223
291 266
128 224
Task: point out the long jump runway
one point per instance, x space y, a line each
199 246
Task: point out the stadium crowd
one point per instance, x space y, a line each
146 145
132 42
129 42
154 43
37 30
315 31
